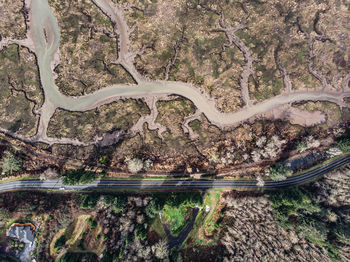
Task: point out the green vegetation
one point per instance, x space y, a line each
140 231
80 176
80 244
292 202
295 208
135 165
92 223
342 233
89 201
60 242
152 209
7 258
280 172
177 210
10 164
301 146
212 199
176 217
77 257
344 144
117 203
16 245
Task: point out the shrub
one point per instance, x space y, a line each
60 242
92 223
148 164
342 233
151 209
4 215
135 165
140 231
89 201
292 201
160 249
77 257
117 203
301 147
315 232
280 172
344 144
80 244
80 176
10 164
188 199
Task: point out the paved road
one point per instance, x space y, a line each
174 184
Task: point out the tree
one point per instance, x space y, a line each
79 176
140 231
89 201
314 231
4 216
292 201
10 164
92 223
343 233
160 249
151 209
280 172
301 146
77 257
60 242
148 164
344 144
117 203
135 165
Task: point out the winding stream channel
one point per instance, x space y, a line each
46 36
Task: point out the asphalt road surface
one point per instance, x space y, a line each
174 184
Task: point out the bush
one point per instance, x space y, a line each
148 164
152 209
301 146
160 249
140 231
4 215
135 165
89 201
342 233
80 245
60 242
280 172
344 144
10 164
80 176
78 257
315 232
187 199
117 203
92 223
292 201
